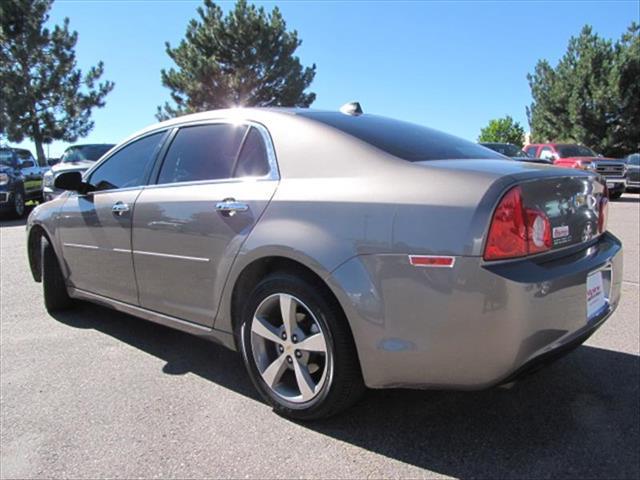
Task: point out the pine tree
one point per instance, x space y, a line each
503 130
591 96
43 95
245 58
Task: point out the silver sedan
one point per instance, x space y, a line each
335 250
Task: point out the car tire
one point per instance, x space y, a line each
298 383
615 195
19 207
56 297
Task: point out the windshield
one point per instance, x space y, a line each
507 149
634 159
402 139
6 158
566 151
84 153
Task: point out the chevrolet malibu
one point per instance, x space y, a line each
335 251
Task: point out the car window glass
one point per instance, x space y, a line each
128 166
253 160
408 141
532 151
546 153
6 158
567 151
202 152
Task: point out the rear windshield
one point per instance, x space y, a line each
84 153
506 149
567 151
404 140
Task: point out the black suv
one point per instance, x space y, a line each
20 180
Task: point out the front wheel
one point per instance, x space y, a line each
54 288
298 348
18 205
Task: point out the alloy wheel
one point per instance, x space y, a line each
290 348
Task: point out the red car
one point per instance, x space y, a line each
570 155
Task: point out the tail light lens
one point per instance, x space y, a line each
516 231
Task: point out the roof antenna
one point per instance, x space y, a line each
351 108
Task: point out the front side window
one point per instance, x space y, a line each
202 152
531 151
129 166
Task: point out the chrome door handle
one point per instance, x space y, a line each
229 207
119 209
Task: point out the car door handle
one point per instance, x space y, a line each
228 207
119 209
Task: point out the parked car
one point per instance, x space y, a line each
76 158
578 156
20 180
633 172
335 250
512 151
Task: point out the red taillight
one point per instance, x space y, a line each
517 231
603 214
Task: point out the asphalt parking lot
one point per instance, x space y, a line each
95 393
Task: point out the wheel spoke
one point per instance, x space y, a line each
304 380
273 372
261 327
288 311
313 343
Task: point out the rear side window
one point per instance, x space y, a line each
531 151
129 166
253 160
402 139
202 152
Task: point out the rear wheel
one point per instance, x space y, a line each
54 288
298 348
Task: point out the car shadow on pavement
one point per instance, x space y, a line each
12 222
629 199
579 417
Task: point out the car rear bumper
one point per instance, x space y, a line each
616 184
473 325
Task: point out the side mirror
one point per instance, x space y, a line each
53 161
70 181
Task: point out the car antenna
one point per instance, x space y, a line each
351 108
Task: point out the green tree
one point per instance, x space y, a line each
591 95
44 96
245 58
503 130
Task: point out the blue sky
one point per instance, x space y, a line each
449 65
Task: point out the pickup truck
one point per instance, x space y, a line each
20 180
571 155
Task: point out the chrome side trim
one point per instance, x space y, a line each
169 255
80 245
121 250
206 331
